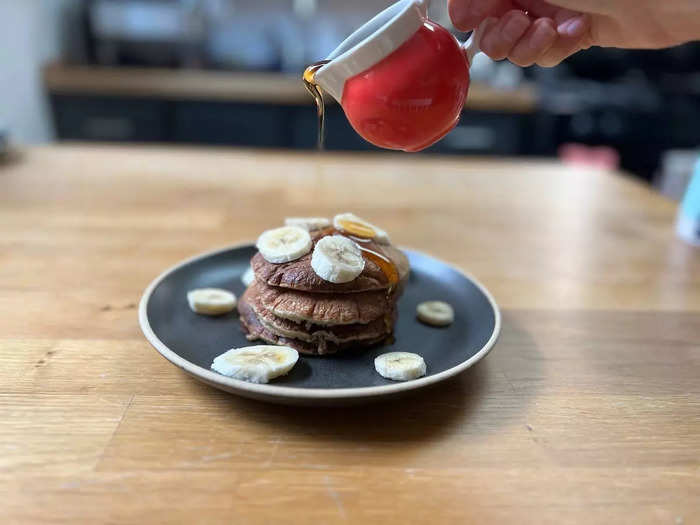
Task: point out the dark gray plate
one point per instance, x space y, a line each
191 341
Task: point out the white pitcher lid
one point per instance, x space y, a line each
370 44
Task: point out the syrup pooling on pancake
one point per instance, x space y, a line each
385 264
357 228
354 225
300 275
362 234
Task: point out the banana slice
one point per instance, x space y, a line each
256 364
248 277
337 259
308 223
400 366
211 301
354 225
436 313
284 244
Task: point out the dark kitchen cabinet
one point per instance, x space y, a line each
480 133
339 132
255 125
124 119
111 119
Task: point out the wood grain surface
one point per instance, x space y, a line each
587 411
253 87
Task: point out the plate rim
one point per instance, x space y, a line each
210 376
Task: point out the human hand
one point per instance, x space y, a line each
546 32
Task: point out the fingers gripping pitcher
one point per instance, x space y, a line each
401 78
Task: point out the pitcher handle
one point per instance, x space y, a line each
472 46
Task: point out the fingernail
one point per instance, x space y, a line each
572 27
542 36
515 27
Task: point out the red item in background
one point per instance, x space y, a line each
414 96
602 157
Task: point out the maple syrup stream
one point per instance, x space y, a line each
315 90
360 233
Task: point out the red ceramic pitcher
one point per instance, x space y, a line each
401 78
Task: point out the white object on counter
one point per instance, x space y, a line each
688 222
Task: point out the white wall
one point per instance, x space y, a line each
30 35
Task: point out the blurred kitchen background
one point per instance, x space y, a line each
227 72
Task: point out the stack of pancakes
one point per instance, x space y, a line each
288 304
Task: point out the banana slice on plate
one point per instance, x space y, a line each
354 225
436 313
400 366
256 364
308 223
337 259
284 244
248 277
211 301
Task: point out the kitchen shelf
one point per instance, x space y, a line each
241 87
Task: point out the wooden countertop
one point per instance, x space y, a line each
273 88
587 411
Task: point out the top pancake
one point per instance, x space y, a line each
299 275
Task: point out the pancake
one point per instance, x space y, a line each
310 332
299 275
289 304
323 308
255 330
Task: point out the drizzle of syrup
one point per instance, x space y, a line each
358 229
315 90
385 265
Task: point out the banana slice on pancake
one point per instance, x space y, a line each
337 259
284 244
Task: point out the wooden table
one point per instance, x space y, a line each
587 411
